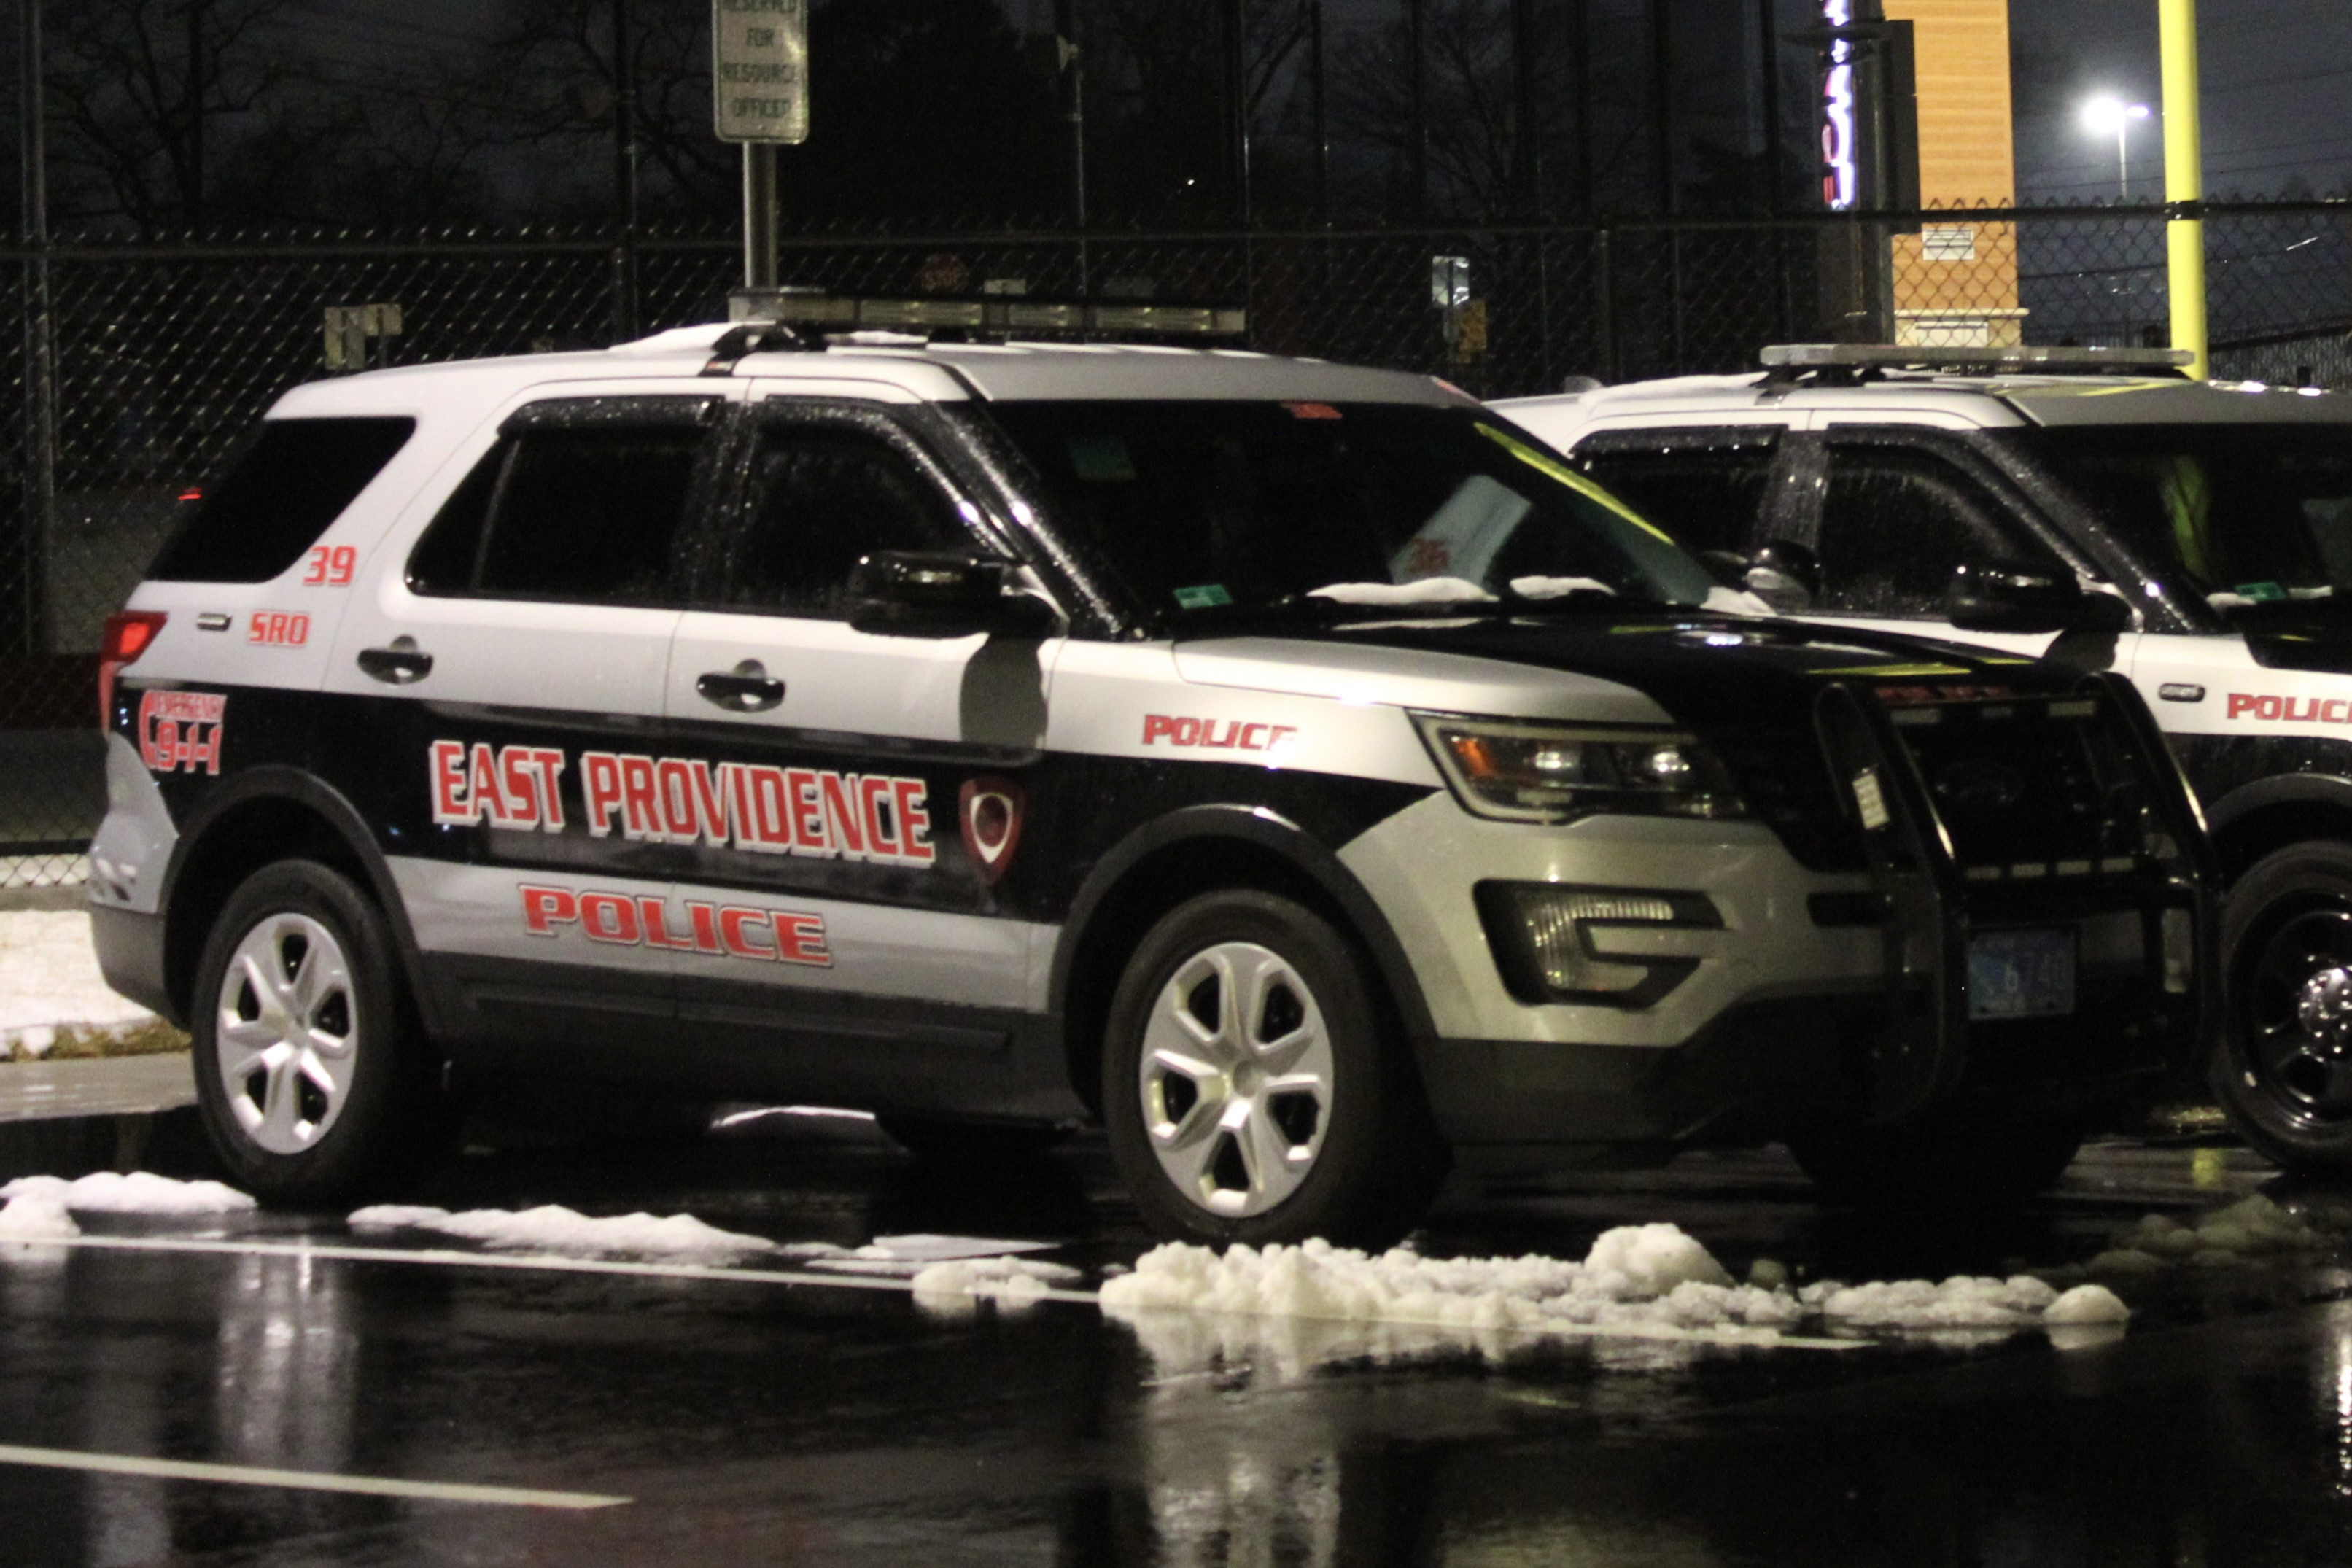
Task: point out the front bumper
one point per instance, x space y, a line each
1821 999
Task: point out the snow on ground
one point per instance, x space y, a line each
908 1256
554 1228
1637 1278
957 1285
2252 1226
36 1217
49 977
137 1193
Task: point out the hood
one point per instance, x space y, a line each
1711 672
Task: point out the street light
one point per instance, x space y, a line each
2104 114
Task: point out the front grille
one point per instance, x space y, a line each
2032 789
1785 781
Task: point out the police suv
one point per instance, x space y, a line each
2094 505
1298 769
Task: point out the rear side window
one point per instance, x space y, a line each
294 479
585 513
1704 487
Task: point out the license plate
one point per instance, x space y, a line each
2021 974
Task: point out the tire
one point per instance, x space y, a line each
2284 1071
938 1141
1947 1163
1306 1122
324 1094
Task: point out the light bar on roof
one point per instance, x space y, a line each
1891 356
997 315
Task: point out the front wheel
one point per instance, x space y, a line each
2284 1070
307 1075
1251 1089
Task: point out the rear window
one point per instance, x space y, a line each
583 502
276 498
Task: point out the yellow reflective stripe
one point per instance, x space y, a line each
1572 480
1896 671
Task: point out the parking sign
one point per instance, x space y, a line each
759 70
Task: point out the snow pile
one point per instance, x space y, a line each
36 1217
555 1229
1649 1279
909 1256
48 976
2252 1226
1960 1302
137 1193
1010 1282
1638 1276
1427 591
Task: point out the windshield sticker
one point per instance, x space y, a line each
181 730
1464 535
762 809
719 930
1101 459
1551 469
1204 596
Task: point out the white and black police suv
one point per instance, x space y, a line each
1298 769
2094 505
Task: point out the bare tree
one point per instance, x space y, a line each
145 96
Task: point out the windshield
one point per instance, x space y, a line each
2243 514
1204 506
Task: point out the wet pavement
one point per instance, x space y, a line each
754 1420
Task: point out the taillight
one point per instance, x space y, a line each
128 634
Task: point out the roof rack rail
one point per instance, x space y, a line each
1851 362
993 317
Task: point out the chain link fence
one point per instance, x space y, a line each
134 367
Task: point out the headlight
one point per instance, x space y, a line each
1559 773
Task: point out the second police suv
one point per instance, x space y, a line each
1296 769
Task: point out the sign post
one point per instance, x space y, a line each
759 90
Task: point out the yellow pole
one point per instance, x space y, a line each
2184 178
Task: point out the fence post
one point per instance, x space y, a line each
40 356
1604 309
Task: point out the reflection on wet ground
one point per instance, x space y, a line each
761 1422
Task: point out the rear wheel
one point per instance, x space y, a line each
2284 1070
309 1072
1945 1163
1251 1089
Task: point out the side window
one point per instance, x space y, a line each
822 496
295 479
585 513
1704 487
1896 522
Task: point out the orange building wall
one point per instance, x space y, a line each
1967 158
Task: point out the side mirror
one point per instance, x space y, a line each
2008 599
944 593
1785 575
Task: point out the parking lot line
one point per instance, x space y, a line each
306 1480
448 1257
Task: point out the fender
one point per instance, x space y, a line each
2282 789
1267 830
278 781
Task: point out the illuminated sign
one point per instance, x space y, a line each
1841 166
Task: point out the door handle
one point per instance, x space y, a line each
400 665
746 689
